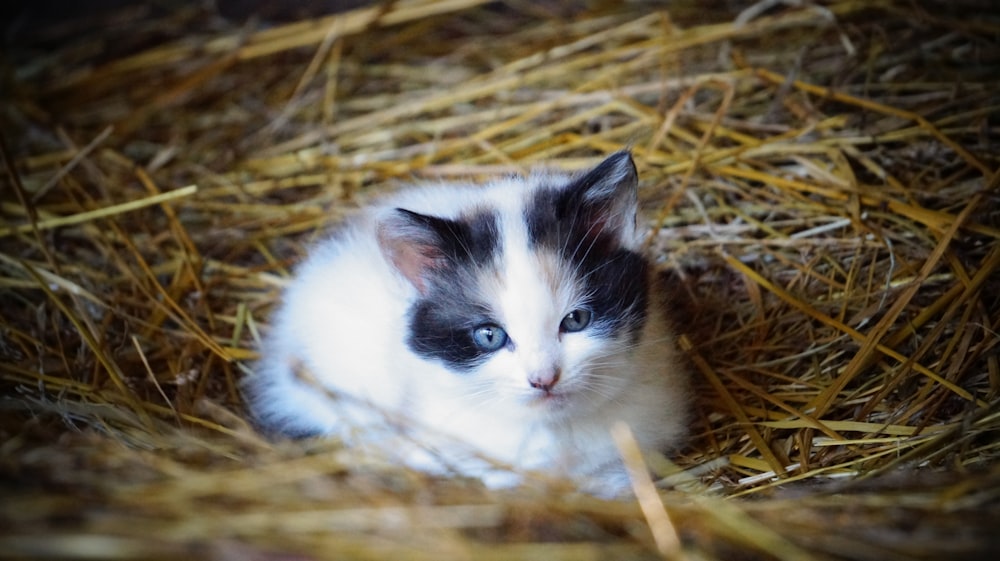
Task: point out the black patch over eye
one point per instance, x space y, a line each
489 337
587 222
447 323
577 320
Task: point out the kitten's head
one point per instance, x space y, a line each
536 302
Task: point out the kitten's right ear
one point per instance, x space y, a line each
412 243
604 200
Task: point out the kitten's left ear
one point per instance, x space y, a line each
606 197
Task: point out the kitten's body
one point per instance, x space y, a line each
403 309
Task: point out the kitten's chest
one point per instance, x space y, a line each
492 429
564 447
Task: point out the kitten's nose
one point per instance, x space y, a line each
544 380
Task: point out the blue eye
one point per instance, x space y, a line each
577 320
489 337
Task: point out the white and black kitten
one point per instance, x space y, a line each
513 321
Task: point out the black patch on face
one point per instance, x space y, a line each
614 278
617 288
441 328
442 321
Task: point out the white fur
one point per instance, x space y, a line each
343 322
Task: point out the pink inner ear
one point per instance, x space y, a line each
411 257
614 221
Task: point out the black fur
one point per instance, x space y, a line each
442 322
577 221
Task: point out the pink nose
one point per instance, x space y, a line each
544 380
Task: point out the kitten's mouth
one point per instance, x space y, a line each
549 401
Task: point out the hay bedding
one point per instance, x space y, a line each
820 182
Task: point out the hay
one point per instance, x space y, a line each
820 183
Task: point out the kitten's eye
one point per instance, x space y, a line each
489 337
576 320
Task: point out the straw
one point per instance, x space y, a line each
818 191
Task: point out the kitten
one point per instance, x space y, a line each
513 321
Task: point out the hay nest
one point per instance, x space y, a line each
819 179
